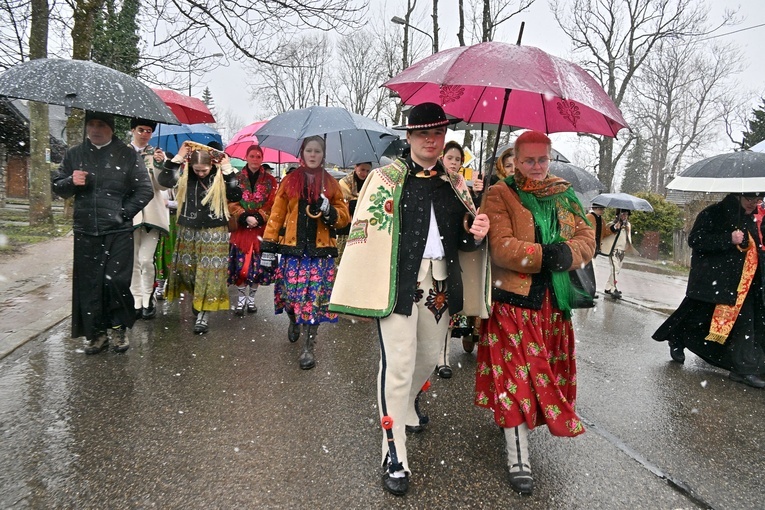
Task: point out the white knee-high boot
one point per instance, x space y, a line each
517 445
241 299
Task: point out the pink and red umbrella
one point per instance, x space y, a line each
189 110
511 85
237 147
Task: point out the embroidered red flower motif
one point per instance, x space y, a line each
522 276
450 93
388 206
569 111
529 250
387 422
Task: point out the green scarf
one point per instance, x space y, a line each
548 204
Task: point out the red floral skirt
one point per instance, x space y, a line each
526 368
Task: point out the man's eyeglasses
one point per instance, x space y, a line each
144 130
531 162
756 200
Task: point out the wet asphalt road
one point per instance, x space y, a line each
228 420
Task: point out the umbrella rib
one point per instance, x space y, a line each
544 114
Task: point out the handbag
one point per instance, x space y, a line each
583 286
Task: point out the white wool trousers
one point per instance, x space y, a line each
142 283
615 262
409 349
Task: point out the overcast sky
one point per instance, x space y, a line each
541 30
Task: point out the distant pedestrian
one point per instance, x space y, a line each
595 217
308 207
200 260
722 318
163 256
526 362
150 223
615 247
110 185
247 222
504 166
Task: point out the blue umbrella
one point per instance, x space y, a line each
170 138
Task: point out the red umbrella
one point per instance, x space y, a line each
189 110
237 147
510 85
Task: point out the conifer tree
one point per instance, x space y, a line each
756 131
636 169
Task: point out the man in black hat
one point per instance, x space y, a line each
150 223
407 230
109 183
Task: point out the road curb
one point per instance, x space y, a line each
33 329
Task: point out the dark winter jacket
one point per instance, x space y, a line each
716 263
194 214
116 189
416 199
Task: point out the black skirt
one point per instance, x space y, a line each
101 297
744 350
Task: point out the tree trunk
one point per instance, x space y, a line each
435 26
605 164
82 45
40 212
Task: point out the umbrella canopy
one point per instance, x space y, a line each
580 179
556 156
170 138
189 110
735 172
759 147
545 93
350 138
85 85
622 201
237 147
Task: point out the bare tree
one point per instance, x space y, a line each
359 72
14 26
40 212
487 15
681 96
299 81
614 39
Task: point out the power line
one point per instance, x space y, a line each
734 32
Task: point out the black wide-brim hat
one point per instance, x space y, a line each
427 116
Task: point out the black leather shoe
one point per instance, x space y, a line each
522 482
750 380
396 486
444 371
415 429
150 311
676 352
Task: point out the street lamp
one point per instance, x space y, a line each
401 21
198 59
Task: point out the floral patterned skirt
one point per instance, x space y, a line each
526 368
302 285
244 268
200 267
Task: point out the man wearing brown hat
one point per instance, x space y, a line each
109 183
150 222
405 237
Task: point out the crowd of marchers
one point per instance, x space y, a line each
150 225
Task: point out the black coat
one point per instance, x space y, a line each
716 263
116 189
416 199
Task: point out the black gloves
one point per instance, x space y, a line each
556 257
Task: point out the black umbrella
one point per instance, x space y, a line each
85 85
586 185
735 172
623 201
